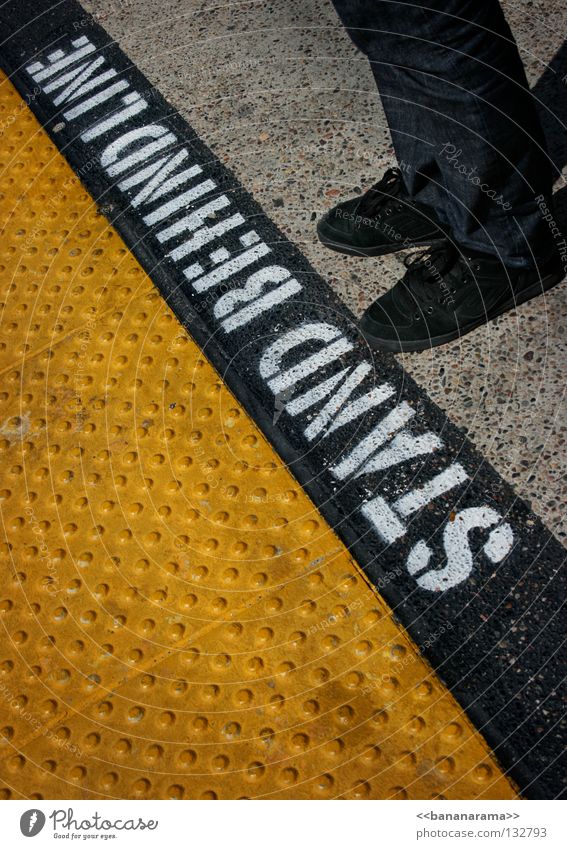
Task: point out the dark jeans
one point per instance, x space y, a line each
463 123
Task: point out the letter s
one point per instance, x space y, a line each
459 555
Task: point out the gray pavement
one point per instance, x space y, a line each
277 90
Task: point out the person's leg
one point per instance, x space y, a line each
463 123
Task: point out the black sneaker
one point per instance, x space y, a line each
446 293
383 220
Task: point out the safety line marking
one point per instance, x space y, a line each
438 532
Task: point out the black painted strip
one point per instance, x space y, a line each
491 623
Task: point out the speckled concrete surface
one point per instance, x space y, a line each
282 96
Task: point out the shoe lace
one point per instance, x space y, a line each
432 273
382 192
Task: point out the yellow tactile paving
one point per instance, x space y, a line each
178 620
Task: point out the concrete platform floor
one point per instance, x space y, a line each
280 94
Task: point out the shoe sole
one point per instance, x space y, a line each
399 347
382 250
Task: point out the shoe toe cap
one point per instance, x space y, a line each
383 320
